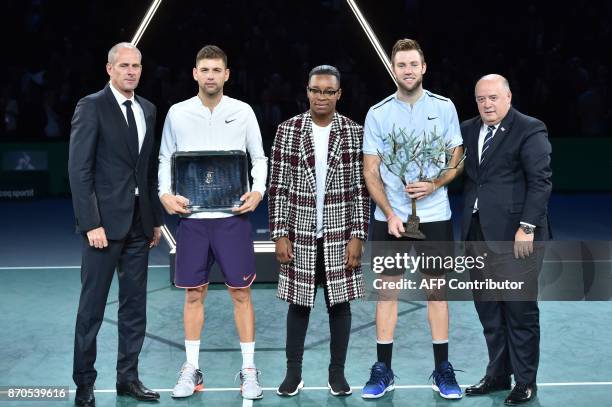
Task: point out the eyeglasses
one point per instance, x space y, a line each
326 92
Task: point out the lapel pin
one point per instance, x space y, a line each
502 129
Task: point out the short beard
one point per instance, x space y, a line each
414 88
208 93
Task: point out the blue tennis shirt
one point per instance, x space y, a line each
430 112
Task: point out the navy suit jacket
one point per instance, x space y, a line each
513 184
104 170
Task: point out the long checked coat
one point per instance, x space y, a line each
293 214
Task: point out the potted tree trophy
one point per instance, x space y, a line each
421 157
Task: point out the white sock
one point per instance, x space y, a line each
192 349
248 354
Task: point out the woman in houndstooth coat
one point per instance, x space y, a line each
319 214
292 207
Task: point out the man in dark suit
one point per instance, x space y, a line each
506 193
114 193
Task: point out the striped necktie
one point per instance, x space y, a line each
488 140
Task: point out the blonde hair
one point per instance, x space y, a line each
112 53
406 44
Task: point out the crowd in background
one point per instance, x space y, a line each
555 57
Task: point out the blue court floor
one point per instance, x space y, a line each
39 288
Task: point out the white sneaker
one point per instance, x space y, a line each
190 380
249 384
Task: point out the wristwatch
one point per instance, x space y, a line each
527 229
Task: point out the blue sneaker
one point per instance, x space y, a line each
381 381
444 381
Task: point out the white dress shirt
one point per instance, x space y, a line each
141 124
320 137
481 137
191 126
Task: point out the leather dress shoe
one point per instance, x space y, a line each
521 393
136 390
489 384
85 396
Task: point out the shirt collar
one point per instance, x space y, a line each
485 126
198 102
419 100
119 96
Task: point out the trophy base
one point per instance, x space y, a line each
217 208
412 229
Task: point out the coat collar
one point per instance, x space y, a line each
307 148
120 122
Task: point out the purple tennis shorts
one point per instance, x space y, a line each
201 242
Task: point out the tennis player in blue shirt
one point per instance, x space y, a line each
410 108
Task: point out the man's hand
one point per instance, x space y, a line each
395 226
174 204
419 190
97 238
523 244
352 258
284 250
156 236
251 200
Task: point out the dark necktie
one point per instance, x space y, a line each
133 130
488 140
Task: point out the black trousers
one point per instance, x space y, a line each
339 325
511 330
438 242
130 257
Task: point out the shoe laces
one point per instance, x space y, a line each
186 374
447 375
377 374
248 375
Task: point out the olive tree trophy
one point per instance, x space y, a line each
417 157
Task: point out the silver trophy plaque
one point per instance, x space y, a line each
211 180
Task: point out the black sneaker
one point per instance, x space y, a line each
290 386
337 384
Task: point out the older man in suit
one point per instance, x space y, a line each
319 212
114 193
506 193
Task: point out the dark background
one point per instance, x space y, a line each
556 57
